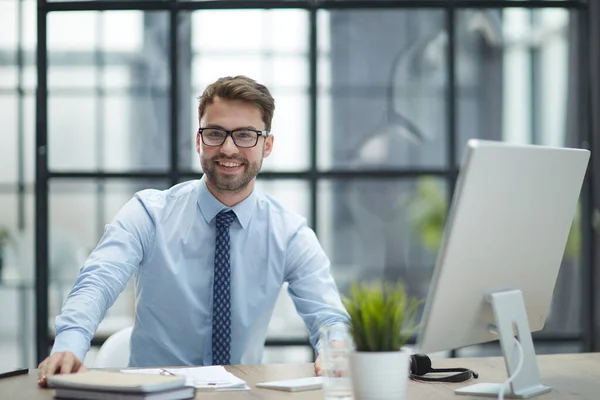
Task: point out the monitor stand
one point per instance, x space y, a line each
509 313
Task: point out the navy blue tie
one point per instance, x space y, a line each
221 333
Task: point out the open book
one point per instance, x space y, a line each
213 377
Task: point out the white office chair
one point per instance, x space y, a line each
114 353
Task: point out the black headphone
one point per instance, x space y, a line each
420 365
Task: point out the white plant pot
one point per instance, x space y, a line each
379 375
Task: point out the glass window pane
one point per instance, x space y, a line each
120 134
29 149
8 75
324 33
135 133
236 30
280 69
207 69
19 255
385 103
325 136
72 133
291 132
61 27
512 87
386 229
30 77
9 21
17 330
130 34
110 134
117 76
8 139
250 31
555 68
8 208
109 91
284 21
126 31
30 26
72 77
78 212
9 24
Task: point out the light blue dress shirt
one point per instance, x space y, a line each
166 241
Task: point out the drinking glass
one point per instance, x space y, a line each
335 346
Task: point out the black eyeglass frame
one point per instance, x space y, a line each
260 133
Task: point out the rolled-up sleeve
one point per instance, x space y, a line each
126 242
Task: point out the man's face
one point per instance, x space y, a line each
227 167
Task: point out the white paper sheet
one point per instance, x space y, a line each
213 377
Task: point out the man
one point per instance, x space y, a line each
209 257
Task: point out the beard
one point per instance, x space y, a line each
230 183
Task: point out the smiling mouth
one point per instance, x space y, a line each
229 164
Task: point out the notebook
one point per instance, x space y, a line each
294 385
114 382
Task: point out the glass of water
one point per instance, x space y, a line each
335 346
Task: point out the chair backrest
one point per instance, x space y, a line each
114 352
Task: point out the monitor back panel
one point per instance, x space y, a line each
507 229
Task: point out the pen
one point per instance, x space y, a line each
199 385
208 386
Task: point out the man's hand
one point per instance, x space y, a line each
318 366
62 363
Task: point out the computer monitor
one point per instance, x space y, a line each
503 244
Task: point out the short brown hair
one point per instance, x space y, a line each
240 88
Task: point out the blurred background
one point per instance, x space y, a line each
375 101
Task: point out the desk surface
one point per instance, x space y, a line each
571 376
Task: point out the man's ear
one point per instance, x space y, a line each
268 146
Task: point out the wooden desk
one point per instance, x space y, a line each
572 376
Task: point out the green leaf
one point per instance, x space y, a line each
382 317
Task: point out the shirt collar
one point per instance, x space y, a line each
210 206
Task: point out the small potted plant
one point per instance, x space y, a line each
382 319
4 240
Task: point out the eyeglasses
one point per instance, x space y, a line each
243 138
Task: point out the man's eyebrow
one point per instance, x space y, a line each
241 127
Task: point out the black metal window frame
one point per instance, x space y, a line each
313 175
